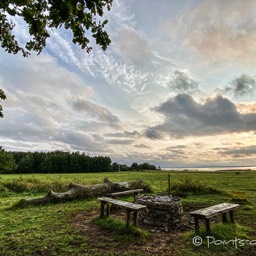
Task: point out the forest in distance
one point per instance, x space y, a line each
61 162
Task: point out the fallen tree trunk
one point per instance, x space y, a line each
80 191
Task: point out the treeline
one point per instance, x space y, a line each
61 162
133 167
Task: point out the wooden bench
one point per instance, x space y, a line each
214 210
129 207
135 192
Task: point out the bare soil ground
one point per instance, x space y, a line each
102 242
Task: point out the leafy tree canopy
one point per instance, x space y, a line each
2 97
79 16
7 162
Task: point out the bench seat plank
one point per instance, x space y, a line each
127 192
214 210
127 205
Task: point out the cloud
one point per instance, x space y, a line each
240 152
120 141
177 147
132 47
175 152
218 30
132 134
49 104
124 134
142 146
79 140
181 82
153 134
122 138
60 42
241 86
115 73
121 15
246 108
171 156
183 116
97 111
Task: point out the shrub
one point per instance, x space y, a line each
141 184
21 185
191 185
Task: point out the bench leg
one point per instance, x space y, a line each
128 216
108 210
208 227
196 225
231 215
102 206
135 220
224 217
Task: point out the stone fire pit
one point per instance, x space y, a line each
161 211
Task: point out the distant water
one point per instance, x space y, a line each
210 169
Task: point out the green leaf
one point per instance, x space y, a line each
42 15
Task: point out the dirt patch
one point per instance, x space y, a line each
101 242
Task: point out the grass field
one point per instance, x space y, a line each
54 229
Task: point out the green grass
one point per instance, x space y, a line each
49 229
120 230
225 239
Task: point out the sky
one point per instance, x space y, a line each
176 87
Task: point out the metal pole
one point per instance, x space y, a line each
169 185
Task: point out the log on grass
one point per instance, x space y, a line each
81 191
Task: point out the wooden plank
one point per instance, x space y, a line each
127 205
127 192
214 210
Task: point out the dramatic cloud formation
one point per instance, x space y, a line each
183 116
49 107
151 96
